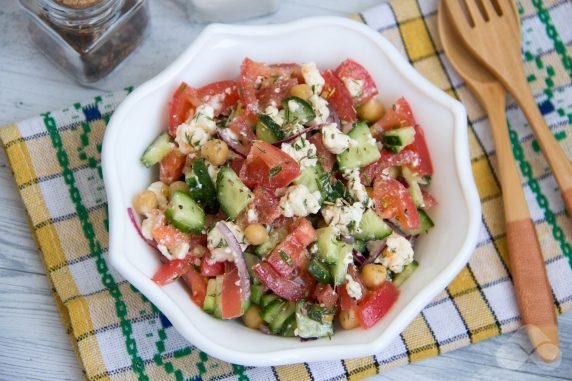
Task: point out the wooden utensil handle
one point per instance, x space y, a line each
532 289
555 155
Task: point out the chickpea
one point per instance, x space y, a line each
371 110
215 151
302 90
178 186
145 202
256 234
252 318
373 275
348 319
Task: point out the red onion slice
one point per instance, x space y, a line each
359 258
376 249
235 147
292 137
133 219
238 256
334 118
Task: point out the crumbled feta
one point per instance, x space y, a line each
397 254
293 106
215 101
193 134
335 141
349 257
153 219
252 216
218 246
312 77
299 201
355 187
320 107
228 135
157 188
342 217
354 86
213 170
301 150
353 288
276 115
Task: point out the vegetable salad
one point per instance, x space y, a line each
288 198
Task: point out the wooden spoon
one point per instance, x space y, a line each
527 264
491 33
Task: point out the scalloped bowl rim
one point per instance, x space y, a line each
118 220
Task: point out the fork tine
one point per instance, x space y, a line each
488 8
456 12
473 10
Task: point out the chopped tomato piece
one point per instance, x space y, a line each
210 268
291 253
171 271
171 166
346 301
423 167
241 128
428 200
169 236
221 96
268 166
197 239
231 298
326 295
339 97
399 115
266 207
236 164
275 93
326 158
387 160
180 107
376 304
289 289
198 285
392 200
349 70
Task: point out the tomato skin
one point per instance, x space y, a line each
339 97
326 295
275 93
393 200
241 128
171 166
226 91
236 164
286 288
346 301
428 200
406 157
351 69
399 115
169 236
264 157
231 298
180 106
198 285
424 166
171 271
376 304
326 158
291 253
210 268
266 206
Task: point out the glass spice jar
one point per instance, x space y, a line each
86 38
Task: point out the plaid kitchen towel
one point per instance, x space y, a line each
119 335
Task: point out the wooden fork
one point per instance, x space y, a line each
491 32
526 262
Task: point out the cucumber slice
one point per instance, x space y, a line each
297 110
308 327
396 140
340 268
158 149
320 271
286 311
414 188
289 327
398 279
310 177
267 299
256 293
201 186
360 245
274 238
184 213
372 227
328 244
232 194
218 298
361 154
210 300
271 311
251 260
425 223
268 130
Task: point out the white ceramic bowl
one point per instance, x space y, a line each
216 54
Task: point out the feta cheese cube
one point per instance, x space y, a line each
336 141
344 218
299 201
397 254
218 246
354 86
302 151
353 288
312 77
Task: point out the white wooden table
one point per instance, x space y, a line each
33 343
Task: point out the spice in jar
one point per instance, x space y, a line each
88 39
